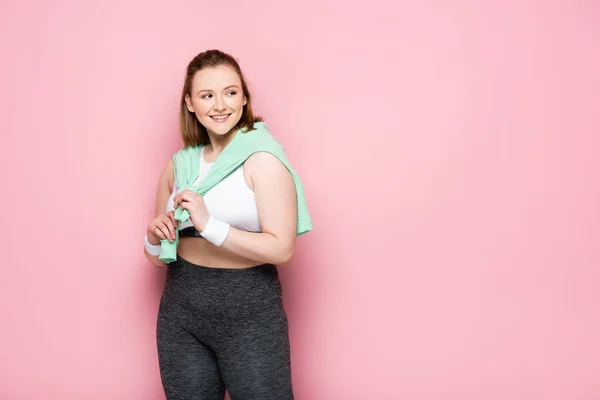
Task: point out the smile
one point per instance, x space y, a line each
220 118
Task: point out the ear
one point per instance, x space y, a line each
245 101
188 103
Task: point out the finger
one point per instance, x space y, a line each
164 228
170 227
172 217
186 205
158 232
189 195
182 196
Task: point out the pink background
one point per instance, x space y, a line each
448 152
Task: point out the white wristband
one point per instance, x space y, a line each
215 231
152 249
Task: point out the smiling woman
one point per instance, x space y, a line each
238 230
215 90
217 104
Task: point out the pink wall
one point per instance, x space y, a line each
448 154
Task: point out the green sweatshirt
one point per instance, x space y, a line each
242 146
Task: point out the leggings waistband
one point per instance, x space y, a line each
185 264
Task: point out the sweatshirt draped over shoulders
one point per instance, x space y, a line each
243 145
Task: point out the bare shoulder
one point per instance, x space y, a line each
263 161
268 175
265 169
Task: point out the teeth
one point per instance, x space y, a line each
221 117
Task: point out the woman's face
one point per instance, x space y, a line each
217 99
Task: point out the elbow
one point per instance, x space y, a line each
284 256
158 263
285 259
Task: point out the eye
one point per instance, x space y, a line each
231 93
206 96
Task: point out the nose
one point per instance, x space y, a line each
219 104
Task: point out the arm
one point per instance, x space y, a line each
276 201
163 191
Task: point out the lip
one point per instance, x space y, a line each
221 120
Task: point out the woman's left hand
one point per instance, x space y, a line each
194 204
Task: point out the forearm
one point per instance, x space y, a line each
261 247
154 260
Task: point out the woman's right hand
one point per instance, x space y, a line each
162 227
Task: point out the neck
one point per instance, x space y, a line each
219 142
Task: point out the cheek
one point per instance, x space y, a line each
236 103
201 107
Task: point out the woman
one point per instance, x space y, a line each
221 323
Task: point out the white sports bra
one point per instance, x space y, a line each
230 200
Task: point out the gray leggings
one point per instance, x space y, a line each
223 329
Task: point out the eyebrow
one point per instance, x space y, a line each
228 87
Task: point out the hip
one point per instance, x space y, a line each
215 301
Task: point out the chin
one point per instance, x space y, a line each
222 130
